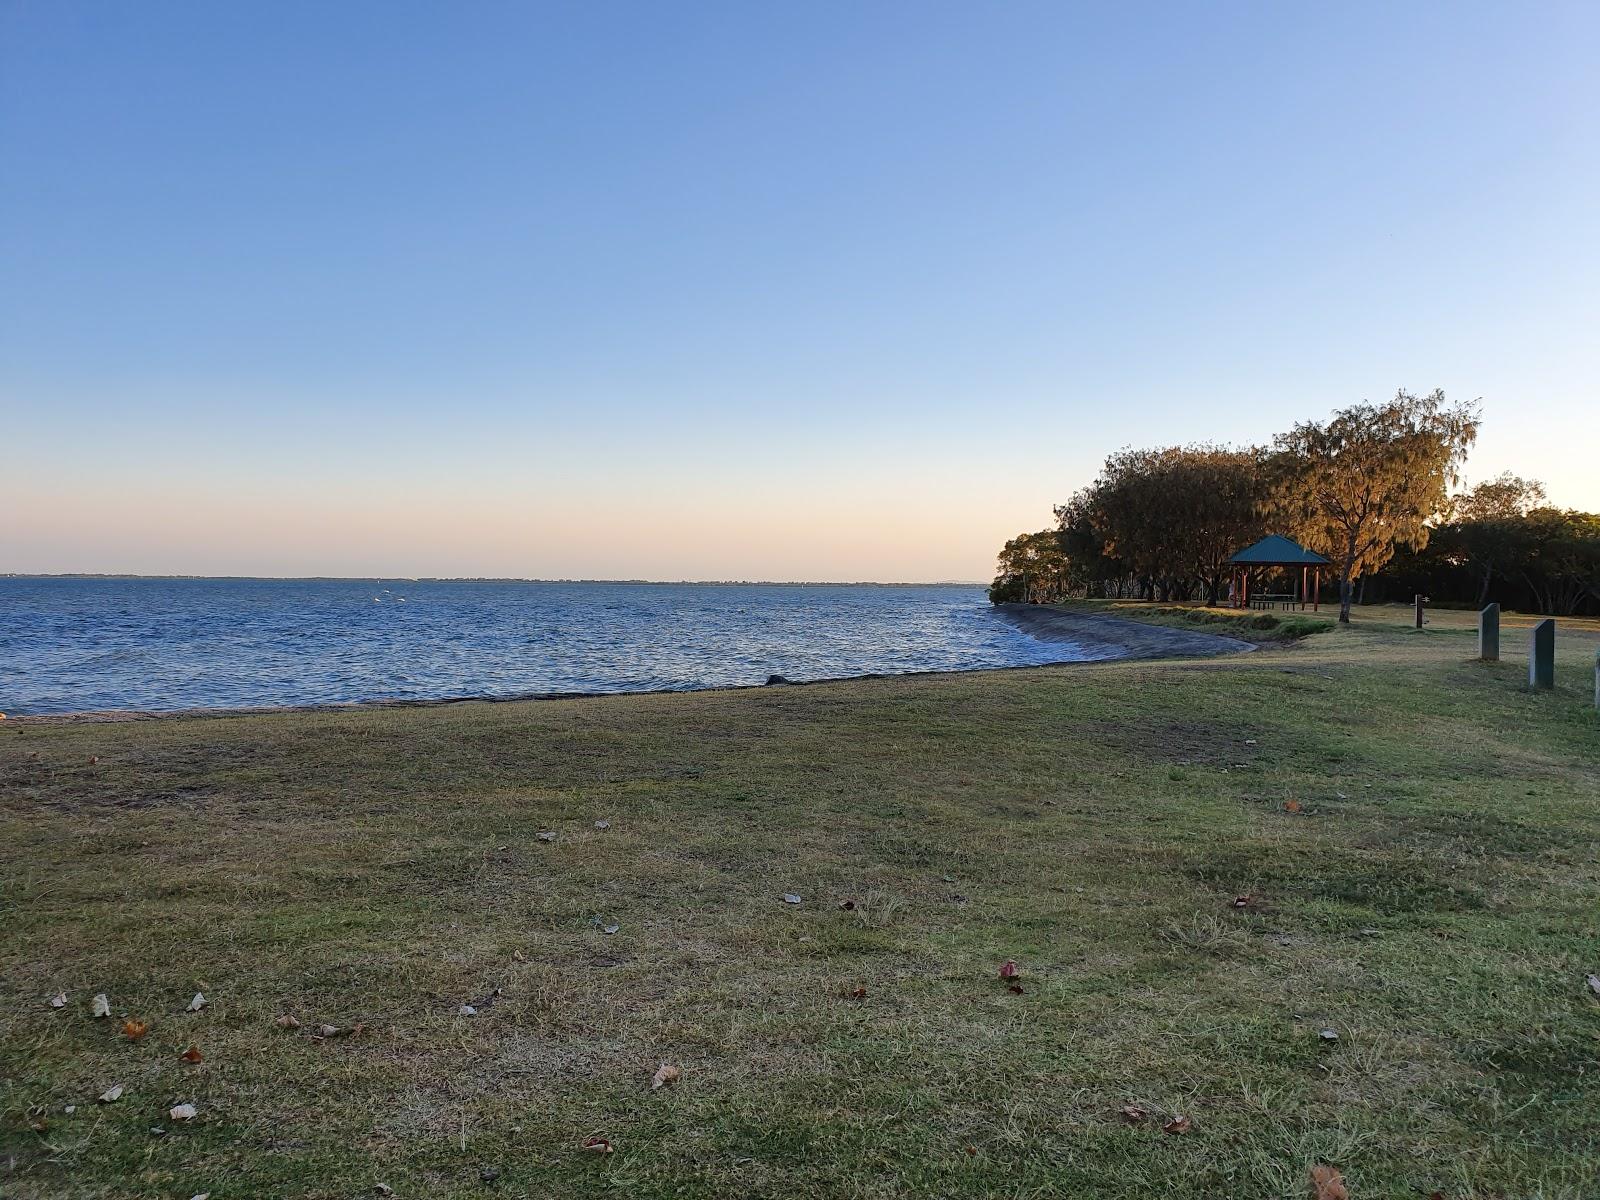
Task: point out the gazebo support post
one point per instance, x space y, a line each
1316 587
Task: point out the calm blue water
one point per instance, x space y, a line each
77 645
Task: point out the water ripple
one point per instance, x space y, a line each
71 645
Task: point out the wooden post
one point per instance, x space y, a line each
1302 587
1316 588
1419 599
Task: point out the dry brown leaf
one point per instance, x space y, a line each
100 1006
598 1145
1291 806
133 1029
1327 1183
198 1002
1241 901
328 1031
1015 989
665 1075
1178 1124
518 956
859 993
112 1094
287 1022
59 1000
847 905
1133 1114
1008 969
182 1112
192 1055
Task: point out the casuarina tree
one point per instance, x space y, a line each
1372 477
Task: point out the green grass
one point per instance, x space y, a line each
1266 625
1433 900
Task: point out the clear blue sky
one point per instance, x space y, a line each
789 290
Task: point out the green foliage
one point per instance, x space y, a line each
1373 477
1033 569
1174 515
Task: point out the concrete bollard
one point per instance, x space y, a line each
1542 655
1489 633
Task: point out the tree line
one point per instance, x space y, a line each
1373 489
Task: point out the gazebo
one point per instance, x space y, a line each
1274 550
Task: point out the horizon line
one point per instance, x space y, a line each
501 579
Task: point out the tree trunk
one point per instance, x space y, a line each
1347 568
1483 589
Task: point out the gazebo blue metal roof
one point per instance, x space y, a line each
1275 550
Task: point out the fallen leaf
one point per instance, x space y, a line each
70 1109
133 1029
111 1095
518 956
287 1022
466 1010
1241 901
790 898
100 1006
859 993
1327 1183
328 1031
665 1075
1178 1124
1329 1035
94 759
198 1002
1594 984
547 835
39 1125
59 1000
609 928
383 1189
1008 969
598 1145
182 1112
1133 1114
602 824
1291 806
972 1151
201 1196
1015 989
192 1055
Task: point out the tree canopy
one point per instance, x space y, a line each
1372 477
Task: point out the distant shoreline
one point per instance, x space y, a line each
840 583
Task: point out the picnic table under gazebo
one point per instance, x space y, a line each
1275 550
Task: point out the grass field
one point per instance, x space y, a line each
1415 832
